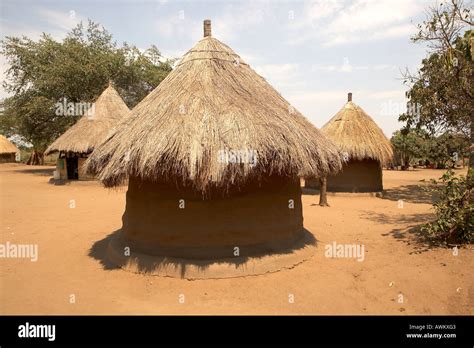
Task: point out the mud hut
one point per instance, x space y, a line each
75 145
8 151
213 156
364 147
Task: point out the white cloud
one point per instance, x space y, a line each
239 17
398 94
341 95
62 20
379 67
319 106
334 23
178 25
318 96
251 58
323 8
228 24
170 54
280 75
59 23
346 67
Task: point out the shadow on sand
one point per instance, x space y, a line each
98 251
410 235
37 171
149 264
410 194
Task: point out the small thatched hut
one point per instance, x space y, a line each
79 141
8 151
213 156
364 147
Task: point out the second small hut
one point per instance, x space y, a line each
213 156
75 145
364 148
8 151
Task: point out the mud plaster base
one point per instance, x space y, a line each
303 249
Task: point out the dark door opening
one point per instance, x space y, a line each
72 168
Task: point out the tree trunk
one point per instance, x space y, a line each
406 163
471 148
470 170
36 158
323 197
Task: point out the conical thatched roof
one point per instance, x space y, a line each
356 134
91 129
212 101
6 146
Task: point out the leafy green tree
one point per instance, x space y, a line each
44 72
409 146
443 93
443 88
446 149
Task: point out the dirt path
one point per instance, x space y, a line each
32 211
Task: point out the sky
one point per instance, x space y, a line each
312 52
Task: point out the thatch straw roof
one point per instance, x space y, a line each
6 146
357 135
212 102
92 129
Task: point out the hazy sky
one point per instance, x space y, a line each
312 52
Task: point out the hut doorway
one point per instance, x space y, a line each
68 166
72 168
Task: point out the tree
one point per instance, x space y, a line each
444 85
444 90
323 196
409 145
446 149
417 145
44 72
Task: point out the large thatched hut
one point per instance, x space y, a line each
213 156
8 151
75 145
364 147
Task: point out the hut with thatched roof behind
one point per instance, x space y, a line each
79 141
213 156
8 151
364 147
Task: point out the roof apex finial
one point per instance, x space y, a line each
207 28
349 96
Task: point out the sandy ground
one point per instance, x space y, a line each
71 242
